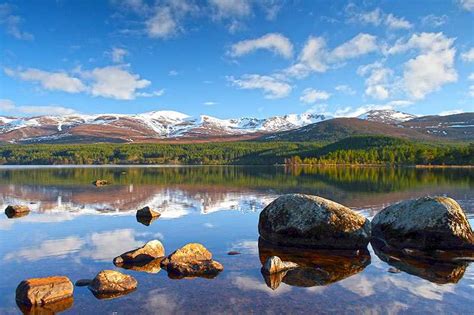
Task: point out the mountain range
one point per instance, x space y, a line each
171 126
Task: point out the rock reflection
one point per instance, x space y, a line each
318 267
50 308
439 267
148 266
146 220
16 215
110 296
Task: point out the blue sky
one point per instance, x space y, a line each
236 58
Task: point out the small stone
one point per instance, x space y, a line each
112 282
16 211
151 250
41 291
232 253
83 282
147 212
274 264
101 182
393 270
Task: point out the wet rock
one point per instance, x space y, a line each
316 267
41 291
191 260
101 182
147 212
47 309
146 220
110 284
393 270
437 267
233 253
274 264
424 223
151 250
16 211
312 221
153 266
83 282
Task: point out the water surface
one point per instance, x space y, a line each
76 229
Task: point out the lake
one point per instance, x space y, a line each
76 229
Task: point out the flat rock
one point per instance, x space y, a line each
41 291
311 221
147 212
274 264
16 211
426 223
112 282
150 251
191 260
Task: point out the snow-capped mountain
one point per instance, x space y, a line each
386 116
146 127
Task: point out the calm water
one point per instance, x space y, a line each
76 229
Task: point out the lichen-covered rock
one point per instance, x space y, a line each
16 211
312 221
151 250
101 182
41 291
112 282
147 212
274 264
191 260
424 223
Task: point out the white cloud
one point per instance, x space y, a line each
376 17
346 89
115 82
432 68
210 103
58 248
118 54
277 43
359 45
467 5
150 94
471 77
471 90
162 24
59 81
13 23
394 22
173 73
272 87
378 81
354 112
230 8
311 95
9 106
434 20
468 56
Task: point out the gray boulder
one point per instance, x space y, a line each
312 221
425 223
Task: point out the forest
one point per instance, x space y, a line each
359 150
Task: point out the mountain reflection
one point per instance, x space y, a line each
317 267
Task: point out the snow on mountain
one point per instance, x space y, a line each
387 116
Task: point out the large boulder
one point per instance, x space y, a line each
151 250
16 211
312 221
424 223
191 260
41 291
111 283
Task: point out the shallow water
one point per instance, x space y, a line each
76 229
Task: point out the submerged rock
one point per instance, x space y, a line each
83 282
47 309
101 182
316 267
191 260
424 223
439 267
147 212
312 221
41 291
16 211
233 253
151 250
274 264
111 283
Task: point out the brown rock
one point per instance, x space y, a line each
274 264
151 250
153 266
191 260
427 223
314 222
16 211
146 220
147 212
41 291
101 182
111 282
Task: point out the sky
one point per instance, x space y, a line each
246 58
